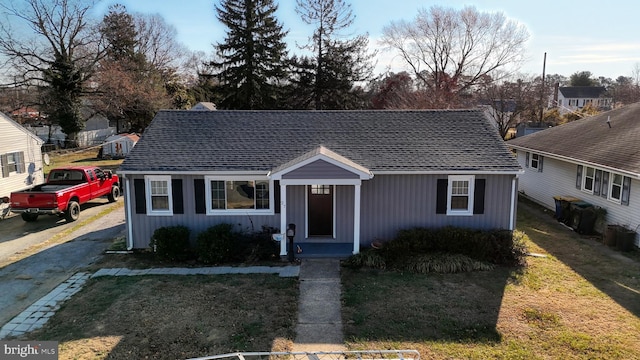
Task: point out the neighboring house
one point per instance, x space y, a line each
342 177
530 127
204 106
596 159
118 146
20 157
572 98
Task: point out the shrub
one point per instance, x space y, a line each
217 244
443 263
171 243
368 258
414 249
259 245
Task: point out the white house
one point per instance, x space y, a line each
595 159
20 157
572 98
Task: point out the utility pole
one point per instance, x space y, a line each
544 66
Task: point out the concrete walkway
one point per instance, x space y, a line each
319 325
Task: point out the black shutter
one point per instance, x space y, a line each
141 199
176 194
579 178
626 190
276 196
540 161
441 196
4 161
596 182
198 190
478 196
526 163
605 185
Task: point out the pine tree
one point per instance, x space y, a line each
338 64
253 57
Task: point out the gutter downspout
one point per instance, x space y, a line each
127 213
512 212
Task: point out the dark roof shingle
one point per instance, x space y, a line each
403 141
591 140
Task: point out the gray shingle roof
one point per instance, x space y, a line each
402 141
591 140
580 92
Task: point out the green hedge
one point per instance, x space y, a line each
171 243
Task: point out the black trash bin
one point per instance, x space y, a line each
625 239
583 217
563 208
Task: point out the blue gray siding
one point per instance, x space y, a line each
320 169
394 202
388 203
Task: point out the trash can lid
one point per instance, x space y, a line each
581 204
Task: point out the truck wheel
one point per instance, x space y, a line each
73 211
114 194
29 217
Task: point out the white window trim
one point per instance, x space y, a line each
537 167
147 183
471 179
584 180
610 190
210 211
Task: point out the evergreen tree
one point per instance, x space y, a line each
253 56
338 64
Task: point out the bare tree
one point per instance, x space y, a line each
450 51
59 54
157 40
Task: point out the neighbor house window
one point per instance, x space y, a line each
238 195
615 187
589 177
535 161
158 195
460 195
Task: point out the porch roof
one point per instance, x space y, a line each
323 154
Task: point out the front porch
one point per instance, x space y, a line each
320 196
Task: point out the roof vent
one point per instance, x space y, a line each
609 121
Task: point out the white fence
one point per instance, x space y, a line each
85 138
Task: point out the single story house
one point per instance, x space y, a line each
596 159
119 145
342 177
20 157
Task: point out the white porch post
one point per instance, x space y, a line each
283 219
356 220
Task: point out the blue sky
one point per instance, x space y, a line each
588 35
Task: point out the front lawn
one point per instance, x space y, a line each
174 317
576 303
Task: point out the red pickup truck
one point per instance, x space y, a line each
64 191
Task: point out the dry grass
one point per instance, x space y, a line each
79 157
175 317
580 302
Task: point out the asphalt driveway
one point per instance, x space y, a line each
25 281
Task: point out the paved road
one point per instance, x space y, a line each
25 281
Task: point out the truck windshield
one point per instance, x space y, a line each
66 175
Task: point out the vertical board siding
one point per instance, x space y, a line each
14 139
320 169
389 203
558 178
146 225
394 202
